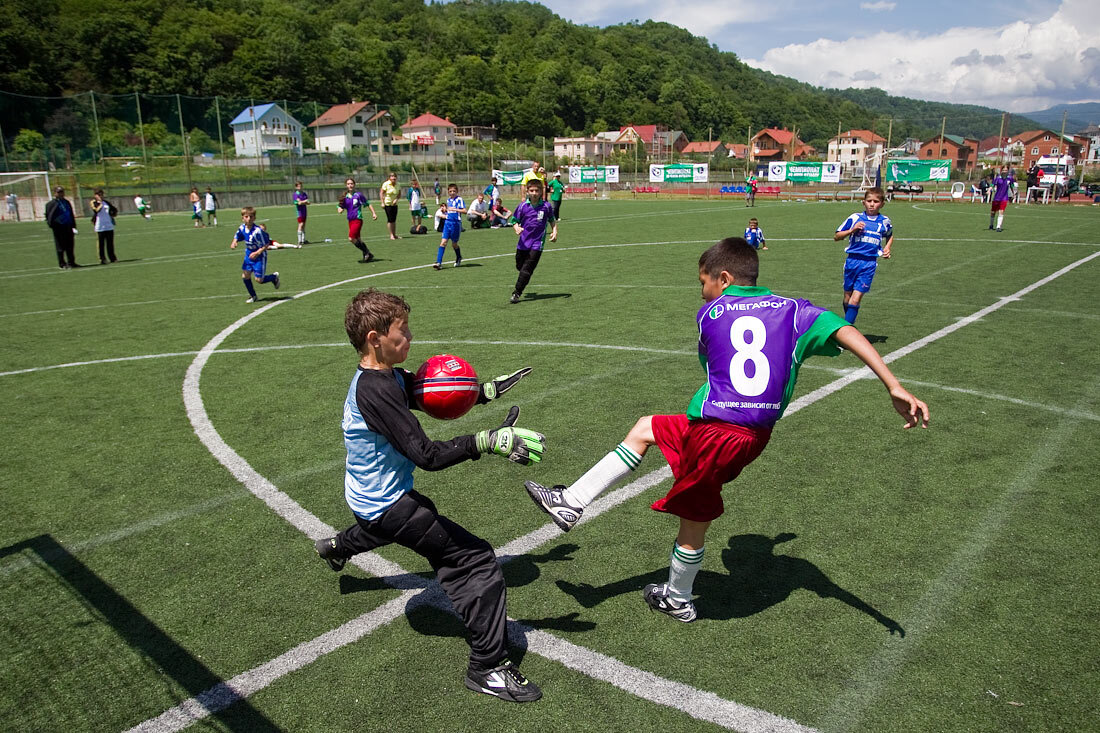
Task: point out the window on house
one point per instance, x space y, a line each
1054 150
1046 138
1035 151
359 118
357 133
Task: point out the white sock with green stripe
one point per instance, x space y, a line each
611 469
683 566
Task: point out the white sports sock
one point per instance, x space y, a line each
1000 219
611 469
683 566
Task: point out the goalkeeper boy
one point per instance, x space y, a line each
385 442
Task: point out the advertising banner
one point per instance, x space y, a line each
594 174
918 170
800 172
510 178
680 173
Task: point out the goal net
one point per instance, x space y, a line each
24 195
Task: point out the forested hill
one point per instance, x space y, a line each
513 64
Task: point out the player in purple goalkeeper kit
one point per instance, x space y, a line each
751 344
530 221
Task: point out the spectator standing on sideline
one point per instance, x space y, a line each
62 222
103 221
211 205
557 189
389 193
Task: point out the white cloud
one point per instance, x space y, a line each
1020 66
877 6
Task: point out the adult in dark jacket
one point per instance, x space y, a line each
62 221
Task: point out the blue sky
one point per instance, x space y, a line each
1020 56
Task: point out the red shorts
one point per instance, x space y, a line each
703 455
999 206
301 220
354 227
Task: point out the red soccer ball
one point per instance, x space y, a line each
446 387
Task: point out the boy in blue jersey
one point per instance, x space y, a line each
530 221
301 203
385 442
754 235
256 244
871 235
452 227
751 344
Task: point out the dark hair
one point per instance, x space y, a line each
99 191
733 255
875 190
372 310
534 182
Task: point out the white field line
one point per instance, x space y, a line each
822 392
839 371
868 684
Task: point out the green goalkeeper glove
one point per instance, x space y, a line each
500 385
518 445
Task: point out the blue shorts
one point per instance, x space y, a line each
256 266
858 273
452 230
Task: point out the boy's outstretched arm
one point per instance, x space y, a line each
909 407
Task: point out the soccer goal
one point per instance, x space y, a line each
25 195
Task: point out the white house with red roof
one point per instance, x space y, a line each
854 148
429 137
356 124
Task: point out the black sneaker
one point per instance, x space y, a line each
368 257
514 299
458 262
326 550
657 598
276 283
552 501
437 266
504 681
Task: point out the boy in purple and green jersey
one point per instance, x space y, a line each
530 221
751 345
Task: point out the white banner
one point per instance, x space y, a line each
680 173
777 171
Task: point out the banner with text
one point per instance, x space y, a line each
918 170
680 173
799 172
510 178
594 174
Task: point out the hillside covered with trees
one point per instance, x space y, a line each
515 65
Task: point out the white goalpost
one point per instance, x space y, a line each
25 195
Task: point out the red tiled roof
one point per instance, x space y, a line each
783 137
645 132
338 114
428 120
702 147
862 135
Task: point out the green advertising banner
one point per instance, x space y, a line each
509 178
799 172
918 170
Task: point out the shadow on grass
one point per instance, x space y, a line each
758 579
166 656
544 296
875 339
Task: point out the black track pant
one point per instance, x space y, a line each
464 564
64 243
526 262
107 245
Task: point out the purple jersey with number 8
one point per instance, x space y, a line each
751 343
